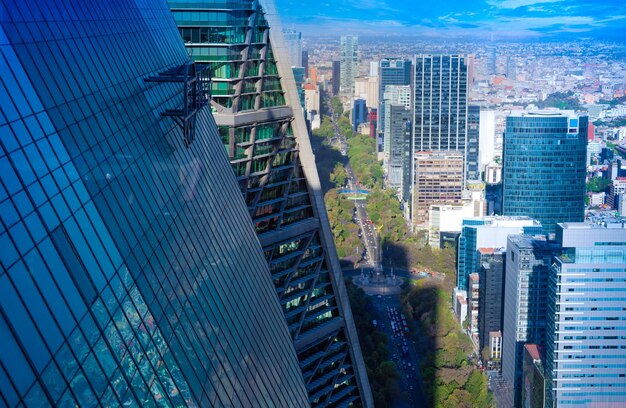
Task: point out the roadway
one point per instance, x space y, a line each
368 232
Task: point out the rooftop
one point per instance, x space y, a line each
555 113
534 350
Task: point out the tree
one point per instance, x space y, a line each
339 175
337 106
598 185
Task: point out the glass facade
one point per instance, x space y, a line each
440 103
586 336
391 71
544 168
266 149
131 275
472 169
528 260
349 63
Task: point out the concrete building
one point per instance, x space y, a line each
349 63
367 88
473 301
459 300
311 100
438 180
597 199
495 346
487 232
487 138
493 173
586 341
617 189
446 218
544 166
528 260
267 141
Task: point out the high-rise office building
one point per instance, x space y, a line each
487 232
438 180
305 63
359 113
336 77
486 139
528 261
511 67
373 120
491 293
394 95
265 135
534 387
131 274
440 103
472 157
544 167
349 63
586 345
399 164
391 71
492 61
293 41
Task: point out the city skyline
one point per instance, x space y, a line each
484 19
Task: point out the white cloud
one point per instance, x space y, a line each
513 4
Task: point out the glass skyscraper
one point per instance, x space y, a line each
391 71
262 128
527 273
586 337
544 167
349 63
130 272
440 88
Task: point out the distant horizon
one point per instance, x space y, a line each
487 20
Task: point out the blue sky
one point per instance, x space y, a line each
500 19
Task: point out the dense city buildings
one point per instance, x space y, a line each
349 63
586 338
438 180
526 294
440 89
293 41
262 128
131 274
391 71
545 166
479 233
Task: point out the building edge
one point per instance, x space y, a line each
307 159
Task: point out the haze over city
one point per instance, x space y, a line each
469 20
